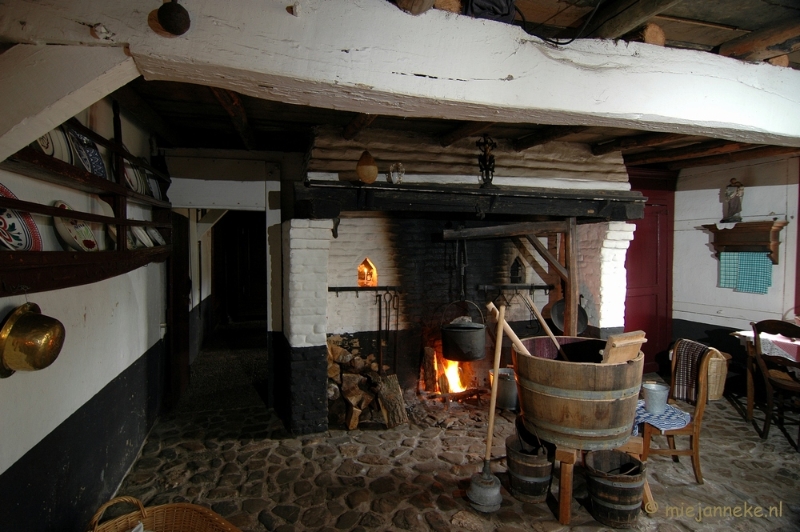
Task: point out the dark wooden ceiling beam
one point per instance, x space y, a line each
467 129
506 230
138 110
765 44
638 141
545 135
232 103
360 122
745 155
703 149
616 18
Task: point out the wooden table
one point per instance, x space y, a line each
569 457
772 344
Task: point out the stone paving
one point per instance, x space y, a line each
234 456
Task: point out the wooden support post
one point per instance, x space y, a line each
573 295
567 457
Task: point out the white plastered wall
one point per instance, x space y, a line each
771 192
109 324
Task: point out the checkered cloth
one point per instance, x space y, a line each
728 269
689 354
671 418
755 273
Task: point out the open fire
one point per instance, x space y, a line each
450 377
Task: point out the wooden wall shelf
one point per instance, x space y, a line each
37 271
748 236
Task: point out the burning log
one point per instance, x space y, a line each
429 369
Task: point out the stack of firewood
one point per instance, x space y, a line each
354 384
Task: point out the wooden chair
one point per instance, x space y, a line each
692 357
779 382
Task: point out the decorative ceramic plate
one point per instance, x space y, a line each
108 211
134 177
152 181
18 231
132 242
55 144
155 236
75 233
141 236
87 153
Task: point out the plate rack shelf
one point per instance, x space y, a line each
748 236
37 271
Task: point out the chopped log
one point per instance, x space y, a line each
340 354
333 391
453 6
334 371
444 385
649 33
390 398
429 369
350 381
351 419
415 7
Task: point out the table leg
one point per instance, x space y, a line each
567 457
750 371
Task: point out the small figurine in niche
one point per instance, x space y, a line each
733 201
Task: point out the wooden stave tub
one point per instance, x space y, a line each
581 405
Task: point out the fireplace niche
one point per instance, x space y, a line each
387 328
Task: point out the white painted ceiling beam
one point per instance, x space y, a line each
367 56
208 221
42 86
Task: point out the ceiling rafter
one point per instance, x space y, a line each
702 149
545 135
636 141
141 112
468 129
232 103
744 155
765 44
615 19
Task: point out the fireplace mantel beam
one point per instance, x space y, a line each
328 199
506 230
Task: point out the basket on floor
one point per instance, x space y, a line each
717 373
176 517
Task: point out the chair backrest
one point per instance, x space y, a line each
766 361
690 374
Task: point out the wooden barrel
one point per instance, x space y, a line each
581 404
615 481
528 473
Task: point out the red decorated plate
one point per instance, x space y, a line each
75 233
18 231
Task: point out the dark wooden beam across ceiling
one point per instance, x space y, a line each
745 155
545 135
138 110
327 199
467 129
765 44
702 149
616 18
360 122
637 141
232 103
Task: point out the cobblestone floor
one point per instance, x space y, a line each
223 449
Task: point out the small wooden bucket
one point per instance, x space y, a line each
616 485
529 474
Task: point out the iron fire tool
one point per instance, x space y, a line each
484 488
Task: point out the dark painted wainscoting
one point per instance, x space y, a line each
59 484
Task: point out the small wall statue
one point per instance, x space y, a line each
734 193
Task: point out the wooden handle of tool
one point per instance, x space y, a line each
518 345
498 346
544 325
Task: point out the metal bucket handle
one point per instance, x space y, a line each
441 322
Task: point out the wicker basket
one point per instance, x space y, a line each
177 517
717 373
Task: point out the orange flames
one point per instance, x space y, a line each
453 374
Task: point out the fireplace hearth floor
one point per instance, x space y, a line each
240 461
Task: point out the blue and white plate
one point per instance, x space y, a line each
87 153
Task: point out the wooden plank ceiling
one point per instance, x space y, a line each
193 116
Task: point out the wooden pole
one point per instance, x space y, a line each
498 346
544 325
518 345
